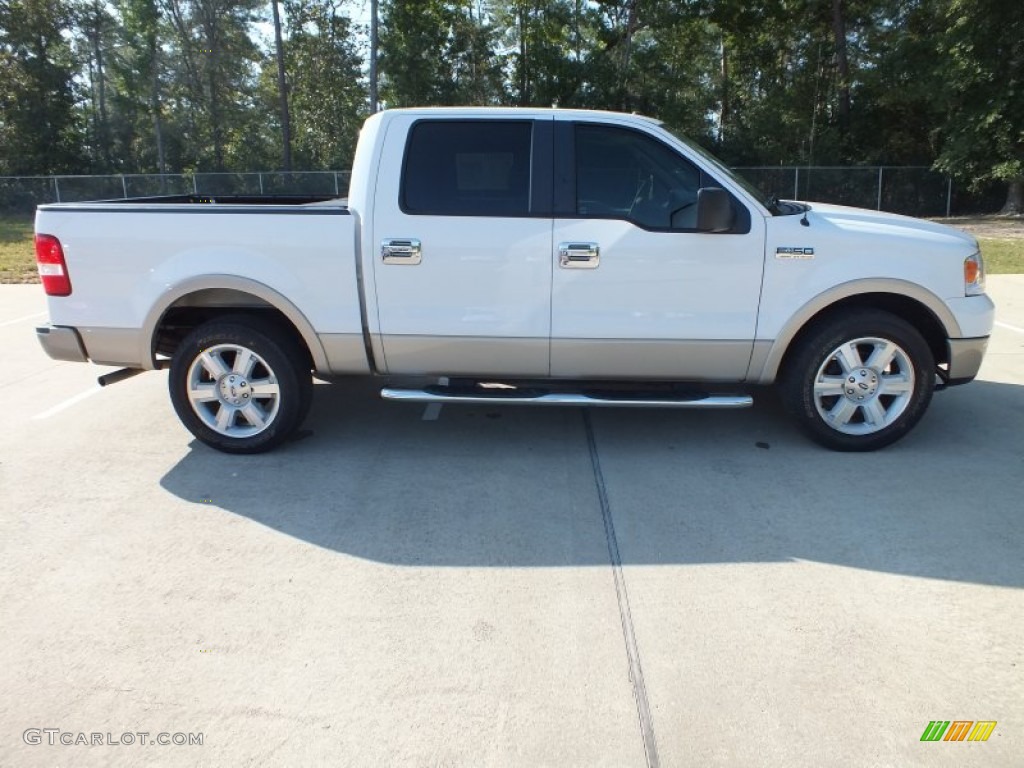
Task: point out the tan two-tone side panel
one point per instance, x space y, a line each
652 359
470 356
768 353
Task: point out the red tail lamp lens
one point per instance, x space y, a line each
53 271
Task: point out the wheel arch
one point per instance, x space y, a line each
915 304
196 300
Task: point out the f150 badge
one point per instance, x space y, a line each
784 252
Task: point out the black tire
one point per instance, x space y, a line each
234 415
874 405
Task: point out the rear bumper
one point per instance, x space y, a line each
62 343
965 356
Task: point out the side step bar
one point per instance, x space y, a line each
511 396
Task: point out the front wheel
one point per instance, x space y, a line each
859 382
240 385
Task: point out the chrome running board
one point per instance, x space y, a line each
534 396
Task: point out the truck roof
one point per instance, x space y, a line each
520 112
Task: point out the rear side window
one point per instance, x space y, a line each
467 168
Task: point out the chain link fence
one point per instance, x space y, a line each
911 190
21 194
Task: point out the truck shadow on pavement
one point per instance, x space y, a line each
516 487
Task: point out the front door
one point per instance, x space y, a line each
637 291
463 276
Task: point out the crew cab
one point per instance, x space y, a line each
519 256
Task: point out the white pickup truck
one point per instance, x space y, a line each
551 257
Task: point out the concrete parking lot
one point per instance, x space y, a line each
492 587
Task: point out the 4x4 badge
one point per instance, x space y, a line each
783 252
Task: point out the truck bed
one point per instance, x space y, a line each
133 274
299 202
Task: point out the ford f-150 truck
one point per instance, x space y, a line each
551 257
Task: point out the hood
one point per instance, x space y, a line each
890 225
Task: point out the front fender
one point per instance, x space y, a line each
768 354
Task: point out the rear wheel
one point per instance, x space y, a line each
240 384
859 382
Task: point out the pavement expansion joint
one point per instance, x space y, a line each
636 674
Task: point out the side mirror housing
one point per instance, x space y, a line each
714 210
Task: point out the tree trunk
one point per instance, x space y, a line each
627 55
103 125
374 44
216 124
524 74
1014 198
282 87
725 114
211 39
842 64
94 112
157 128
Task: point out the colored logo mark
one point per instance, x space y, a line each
958 730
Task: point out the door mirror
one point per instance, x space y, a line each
714 210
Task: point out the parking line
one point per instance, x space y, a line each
432 411
67 403
1009 327
22 319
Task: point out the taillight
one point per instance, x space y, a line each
53 271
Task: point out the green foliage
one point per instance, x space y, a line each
983 50
150 85
39 129
212 93
327 95
435 52
138 123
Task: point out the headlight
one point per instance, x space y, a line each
974 275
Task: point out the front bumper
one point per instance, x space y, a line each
62 343
965 356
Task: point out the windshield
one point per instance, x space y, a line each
753 191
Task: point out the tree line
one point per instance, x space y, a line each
141 86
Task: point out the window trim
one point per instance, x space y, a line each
566 171
540 189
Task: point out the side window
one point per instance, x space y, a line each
624 174
467 168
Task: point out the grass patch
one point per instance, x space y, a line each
17 254
1002 256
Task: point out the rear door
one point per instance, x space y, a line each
463 272
637 291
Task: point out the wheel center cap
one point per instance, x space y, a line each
234 389
861 384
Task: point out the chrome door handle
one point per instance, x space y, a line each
406 250
579 255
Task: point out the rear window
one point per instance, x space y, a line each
467 168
